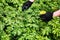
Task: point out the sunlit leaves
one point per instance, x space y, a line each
26 25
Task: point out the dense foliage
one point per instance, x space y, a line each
16 24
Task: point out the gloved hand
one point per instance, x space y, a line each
26 5
46 17
49 15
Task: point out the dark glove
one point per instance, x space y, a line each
46 17
26 5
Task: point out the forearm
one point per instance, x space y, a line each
31 0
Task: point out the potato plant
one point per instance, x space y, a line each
16 24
